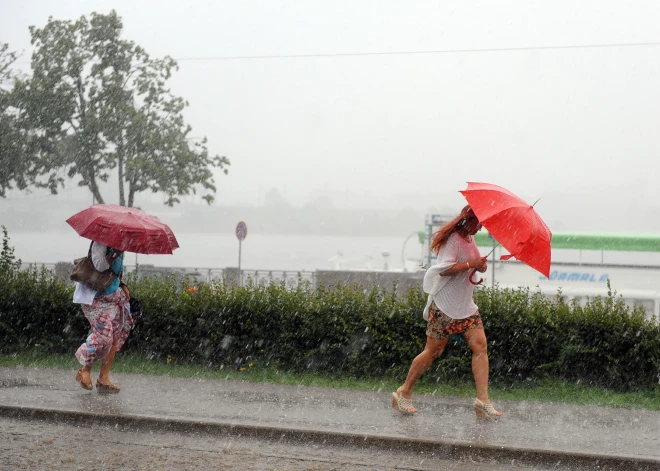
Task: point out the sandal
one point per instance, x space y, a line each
486 411
84 385
107 387
402 404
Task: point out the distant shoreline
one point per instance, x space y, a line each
223 220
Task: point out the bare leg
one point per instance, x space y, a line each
476 340
104 374
85 377
433 349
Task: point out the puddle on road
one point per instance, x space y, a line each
14 382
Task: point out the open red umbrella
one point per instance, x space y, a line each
122 228
513 223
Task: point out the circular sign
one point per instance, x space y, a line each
241 230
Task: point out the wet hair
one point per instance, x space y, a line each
458 224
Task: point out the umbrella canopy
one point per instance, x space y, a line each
122 228
513 223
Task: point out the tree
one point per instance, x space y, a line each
8 260
97 103
274 199
13 165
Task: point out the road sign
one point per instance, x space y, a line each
241 231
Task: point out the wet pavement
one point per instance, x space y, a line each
529 432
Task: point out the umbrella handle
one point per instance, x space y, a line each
474 270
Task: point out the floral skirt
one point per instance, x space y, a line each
111 322
441 326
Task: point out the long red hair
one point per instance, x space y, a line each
441 236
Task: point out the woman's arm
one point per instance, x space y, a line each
478 263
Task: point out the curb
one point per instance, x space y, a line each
450 449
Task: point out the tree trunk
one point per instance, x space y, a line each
91 178
120 173
131 194
94 188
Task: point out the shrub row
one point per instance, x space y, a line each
345 330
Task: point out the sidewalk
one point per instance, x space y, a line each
580 436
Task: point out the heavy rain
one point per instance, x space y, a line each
292 235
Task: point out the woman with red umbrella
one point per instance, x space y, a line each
451 310
108 313
114 230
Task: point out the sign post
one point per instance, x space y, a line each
241 234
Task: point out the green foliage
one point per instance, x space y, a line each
13 165
8 261
36 312
96 103
347 331
602 343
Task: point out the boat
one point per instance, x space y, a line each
585 266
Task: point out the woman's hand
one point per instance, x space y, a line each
125 289
480 264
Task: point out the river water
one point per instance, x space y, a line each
207 250
279 251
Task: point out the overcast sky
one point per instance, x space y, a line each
576 127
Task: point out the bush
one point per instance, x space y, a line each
345 330
603 343
36 312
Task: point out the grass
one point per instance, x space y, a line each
543 390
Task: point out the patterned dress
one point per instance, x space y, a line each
110 319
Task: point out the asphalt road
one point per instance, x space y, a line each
43 445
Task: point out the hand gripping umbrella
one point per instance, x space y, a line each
126 229
513 223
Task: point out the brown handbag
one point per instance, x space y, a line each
84 272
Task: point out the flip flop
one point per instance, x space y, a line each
107 387
79 378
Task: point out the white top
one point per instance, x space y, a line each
452 294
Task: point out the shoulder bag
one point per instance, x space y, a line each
85 272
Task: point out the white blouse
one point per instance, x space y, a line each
453 295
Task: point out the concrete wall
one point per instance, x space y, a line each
367 279
232 276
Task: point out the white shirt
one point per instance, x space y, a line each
452 294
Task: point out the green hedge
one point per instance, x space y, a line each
345 330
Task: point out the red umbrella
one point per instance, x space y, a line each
513 223
122 228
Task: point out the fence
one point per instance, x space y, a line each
203 275
401 282
290 278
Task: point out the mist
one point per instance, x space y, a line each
333 110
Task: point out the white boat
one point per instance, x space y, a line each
581 267
583 264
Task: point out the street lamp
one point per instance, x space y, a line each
422 237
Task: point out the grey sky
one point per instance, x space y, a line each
576 127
